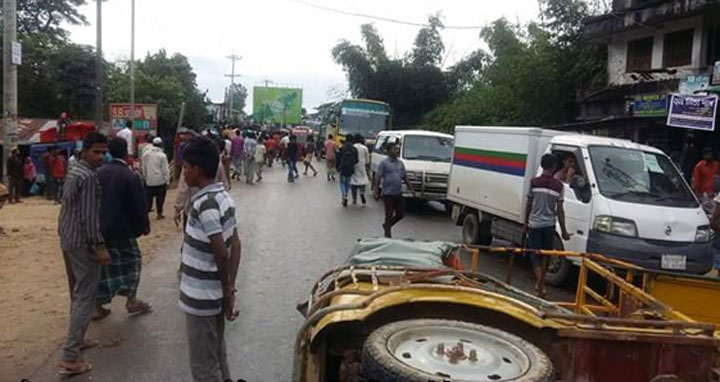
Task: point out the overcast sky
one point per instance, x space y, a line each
283 41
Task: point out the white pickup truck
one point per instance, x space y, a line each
627 201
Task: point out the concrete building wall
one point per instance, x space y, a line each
617 50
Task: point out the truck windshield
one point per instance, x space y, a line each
423 147
639 177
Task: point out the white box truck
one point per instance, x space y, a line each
627 201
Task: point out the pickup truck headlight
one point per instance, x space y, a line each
703 234
615 225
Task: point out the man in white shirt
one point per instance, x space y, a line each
156 173
127 135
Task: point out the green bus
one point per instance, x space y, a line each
360 116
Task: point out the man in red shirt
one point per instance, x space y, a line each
703 179
57 172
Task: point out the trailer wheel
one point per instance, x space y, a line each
471 229
559 268
450 351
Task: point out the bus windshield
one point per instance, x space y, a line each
366 124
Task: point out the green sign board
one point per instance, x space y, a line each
277 105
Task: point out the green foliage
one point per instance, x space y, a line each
47 17
165 80
412 85
530 74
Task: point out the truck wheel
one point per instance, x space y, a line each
559 268
471 229
451 351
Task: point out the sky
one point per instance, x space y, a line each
287 42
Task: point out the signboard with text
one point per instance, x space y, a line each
716 74
649 105
145 116
693 112
691 84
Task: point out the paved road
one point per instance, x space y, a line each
290 233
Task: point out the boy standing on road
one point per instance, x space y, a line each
543 210
391 174
210 260
83 248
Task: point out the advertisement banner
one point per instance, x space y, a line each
693 112
649 105
691 84
145 116
277 105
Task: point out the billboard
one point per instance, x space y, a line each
649 105
145 116
693 112
277 105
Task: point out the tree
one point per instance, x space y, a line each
412 85
239 94
167 81
47 17
530 74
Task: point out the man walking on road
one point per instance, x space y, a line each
391 175
16 172
292 152
236 153
330 158
309 153
249 149
210 261
156 172
359 180
83 248
260 154
348 158
123 218
543 209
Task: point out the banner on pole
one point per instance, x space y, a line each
693 112
145 116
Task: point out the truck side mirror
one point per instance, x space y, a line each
581 188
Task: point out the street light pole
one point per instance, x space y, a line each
99 70
132 63
9 132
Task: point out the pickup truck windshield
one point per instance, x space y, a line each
639 177
421 147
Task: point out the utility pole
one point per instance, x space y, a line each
9 133
132 63
232 76
99 70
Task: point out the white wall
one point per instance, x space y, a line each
617 49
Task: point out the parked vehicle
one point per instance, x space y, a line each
626 201
405 311
426 156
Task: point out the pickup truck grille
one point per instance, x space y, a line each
430 185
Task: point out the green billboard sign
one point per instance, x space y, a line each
277 105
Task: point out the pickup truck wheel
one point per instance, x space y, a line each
471 229
451 351
559 268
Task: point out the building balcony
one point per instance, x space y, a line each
635 14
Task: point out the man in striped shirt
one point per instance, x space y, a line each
83 248
543 210
210 260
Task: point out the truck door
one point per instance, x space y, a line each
578 204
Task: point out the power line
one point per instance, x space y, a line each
381 18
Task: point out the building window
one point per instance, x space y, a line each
678 48
639 54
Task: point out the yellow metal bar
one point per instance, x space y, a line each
580 293
607 304
631 290
587 311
